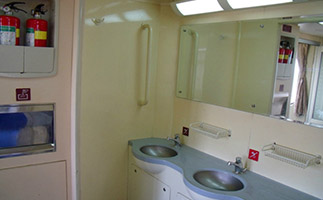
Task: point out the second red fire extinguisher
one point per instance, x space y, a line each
37 28
281 55
10 25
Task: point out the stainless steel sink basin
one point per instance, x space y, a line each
218 180
158 151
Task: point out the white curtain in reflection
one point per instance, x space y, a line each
302 96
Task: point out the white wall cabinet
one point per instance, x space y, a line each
284 71
143 186
26 61
12 59
38 60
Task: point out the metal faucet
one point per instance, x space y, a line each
238 166
176 140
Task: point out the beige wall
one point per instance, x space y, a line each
55 89
166 72
255 131
113 63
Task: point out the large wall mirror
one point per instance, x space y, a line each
271 67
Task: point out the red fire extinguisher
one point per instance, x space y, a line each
288 55
10 25
281 55
37 28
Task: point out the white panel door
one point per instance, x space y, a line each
37 182
39 59
143 186
11 59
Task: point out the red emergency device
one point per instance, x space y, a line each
288 56
10 25
281 55
37 28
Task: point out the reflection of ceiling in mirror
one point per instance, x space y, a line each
169 1
311 28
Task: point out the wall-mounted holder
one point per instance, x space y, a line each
97 21
23 61
27 129
291 156
210 130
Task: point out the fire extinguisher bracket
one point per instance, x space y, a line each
21 61
34 58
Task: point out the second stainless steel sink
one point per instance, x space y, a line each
158 151
218 180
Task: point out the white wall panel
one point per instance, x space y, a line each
36 182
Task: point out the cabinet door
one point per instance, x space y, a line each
39 59
11 59
180 196
280 70
37 182
143 186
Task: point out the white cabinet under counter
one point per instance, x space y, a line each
163 184
143 186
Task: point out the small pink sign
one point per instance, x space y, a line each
253 155
185 131
287 28
23 94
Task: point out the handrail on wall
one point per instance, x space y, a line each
144 101
194 61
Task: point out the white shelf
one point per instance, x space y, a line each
281 95
210 130
291 156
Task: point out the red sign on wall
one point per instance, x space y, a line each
287 28
253 155
23 94
185 131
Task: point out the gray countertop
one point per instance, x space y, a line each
189 160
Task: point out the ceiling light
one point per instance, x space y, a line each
196 7
236 4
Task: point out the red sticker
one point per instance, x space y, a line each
287 28
23 94
253 155
185 131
